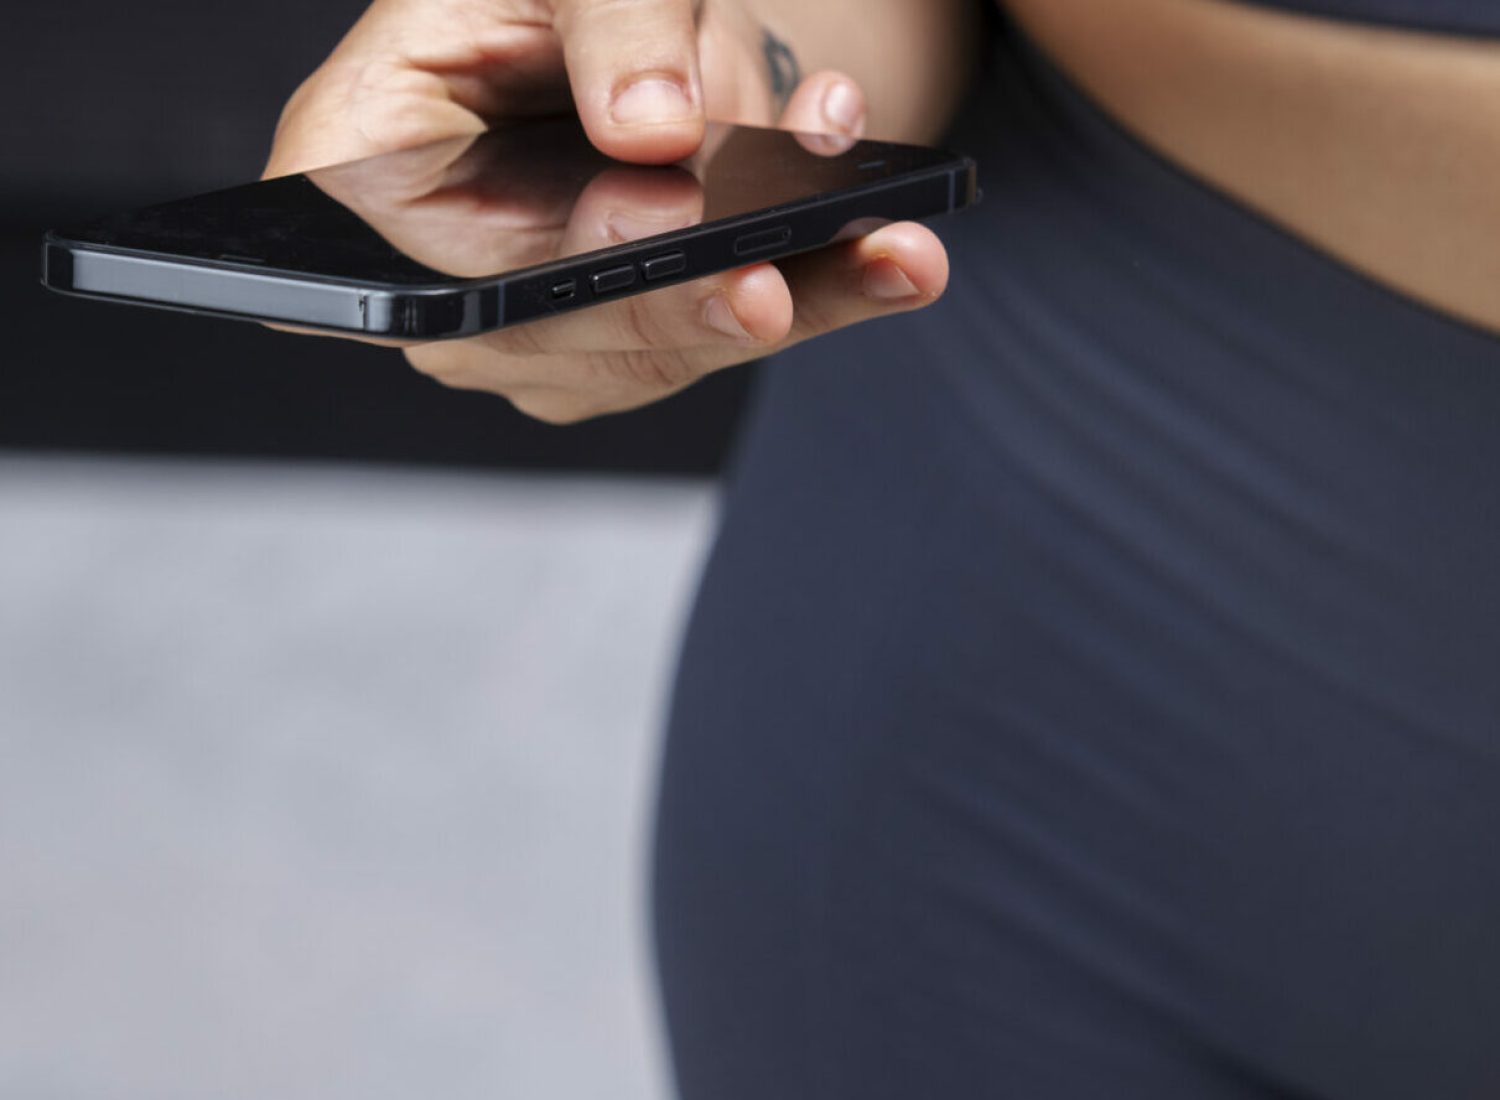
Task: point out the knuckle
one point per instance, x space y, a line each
289 123
663 370
292 109
642 324
392 106
629 8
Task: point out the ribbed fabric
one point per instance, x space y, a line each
1093 691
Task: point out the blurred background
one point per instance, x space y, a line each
329 698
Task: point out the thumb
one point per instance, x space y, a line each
635 76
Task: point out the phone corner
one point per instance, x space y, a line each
56 263
431 313
963 182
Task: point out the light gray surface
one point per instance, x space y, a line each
318 783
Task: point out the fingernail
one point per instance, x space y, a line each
842 108
651 100
721 318
885 281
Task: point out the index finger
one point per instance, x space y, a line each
633 65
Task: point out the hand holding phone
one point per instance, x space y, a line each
415 71
628 348
642 77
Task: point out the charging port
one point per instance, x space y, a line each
564 290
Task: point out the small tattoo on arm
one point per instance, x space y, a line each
782 68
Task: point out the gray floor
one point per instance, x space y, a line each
318 783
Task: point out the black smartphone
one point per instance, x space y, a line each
472 234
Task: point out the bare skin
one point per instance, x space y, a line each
1381 147
643 75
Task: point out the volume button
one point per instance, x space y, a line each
664 267
613 279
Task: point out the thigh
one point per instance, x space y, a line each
863 886
951 807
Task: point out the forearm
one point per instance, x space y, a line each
913 58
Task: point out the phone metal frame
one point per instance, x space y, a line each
466 307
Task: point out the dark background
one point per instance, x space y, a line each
115 105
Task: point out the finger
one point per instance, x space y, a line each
740 312
591 354
633 65
567 388
896 269
344 114
899 268
403 77
828 110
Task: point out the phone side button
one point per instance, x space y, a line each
614 278
664 267
763 241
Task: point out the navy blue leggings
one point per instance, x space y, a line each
1093 691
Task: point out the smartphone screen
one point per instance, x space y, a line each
481 210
